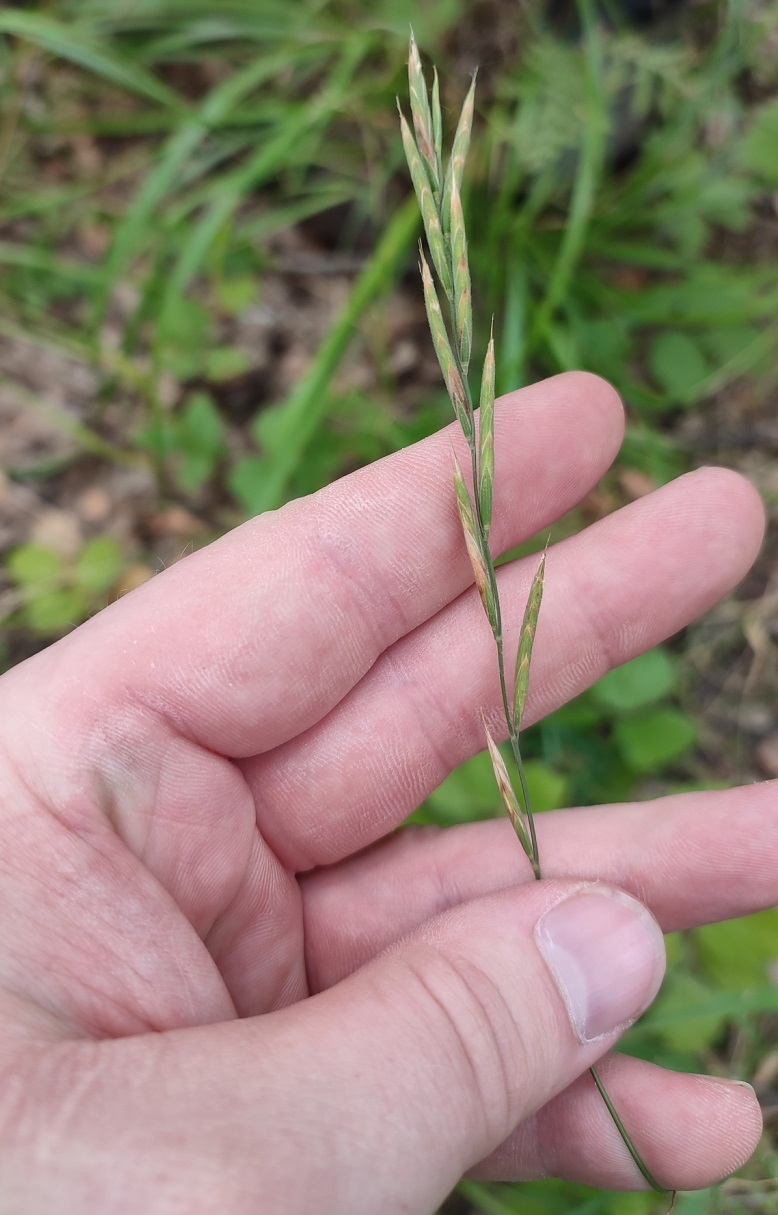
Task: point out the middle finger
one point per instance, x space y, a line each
692 858
618 588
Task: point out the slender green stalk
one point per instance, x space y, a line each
634 1153
451 326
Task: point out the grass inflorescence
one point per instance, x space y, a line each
438 192
163 173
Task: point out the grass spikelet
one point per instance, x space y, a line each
437 123
459 149
509 799
418 172
421 113
448 363
427 205
436 242
463 304
467 517
486 440
526 643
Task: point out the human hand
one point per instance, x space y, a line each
189 782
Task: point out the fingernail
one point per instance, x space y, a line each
607 956
726 1082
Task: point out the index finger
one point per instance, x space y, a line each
249 642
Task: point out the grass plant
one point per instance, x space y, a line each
623 181
438 192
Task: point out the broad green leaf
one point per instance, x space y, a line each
553 1197
157 437
33 565
548 789
734 1002
468 793
237 294
201 426
195 469
269 428
643 681
689 232
246 481
579 715
682 1014
183 338
224 362
646 448
649 740
606 342
759 150
99 564
740 954
56 611
201 435
678 365
725 201
712 294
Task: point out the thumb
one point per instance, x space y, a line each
377 1095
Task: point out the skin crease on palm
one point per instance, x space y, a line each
227 983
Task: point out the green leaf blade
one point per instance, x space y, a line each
654 738
32 565
99 564
637 684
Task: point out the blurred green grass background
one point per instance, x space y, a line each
173 171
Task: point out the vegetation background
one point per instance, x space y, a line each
209 303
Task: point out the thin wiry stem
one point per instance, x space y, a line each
634 1153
